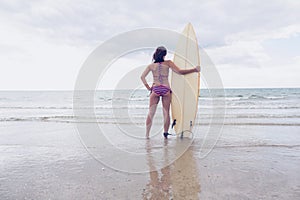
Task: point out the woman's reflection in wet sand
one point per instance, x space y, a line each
179 180
157 188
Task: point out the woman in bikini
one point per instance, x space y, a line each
161 87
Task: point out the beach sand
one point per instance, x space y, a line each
46 160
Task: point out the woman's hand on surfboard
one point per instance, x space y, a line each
197 68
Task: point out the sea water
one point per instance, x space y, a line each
264 106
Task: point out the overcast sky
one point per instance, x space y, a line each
252 43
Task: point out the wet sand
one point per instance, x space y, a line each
44 160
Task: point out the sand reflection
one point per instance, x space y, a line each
179 180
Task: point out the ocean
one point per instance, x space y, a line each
266 106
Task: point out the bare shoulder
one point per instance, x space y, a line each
150 66
168 62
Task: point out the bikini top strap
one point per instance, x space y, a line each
160 77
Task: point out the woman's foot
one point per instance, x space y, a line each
166 135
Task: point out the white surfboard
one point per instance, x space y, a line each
185 88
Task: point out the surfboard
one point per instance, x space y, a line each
185 88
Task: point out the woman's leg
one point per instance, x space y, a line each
154 99
166 100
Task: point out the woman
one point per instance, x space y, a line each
161 87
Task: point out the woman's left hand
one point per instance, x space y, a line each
198 68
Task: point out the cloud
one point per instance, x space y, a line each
93 21
234 33
247 48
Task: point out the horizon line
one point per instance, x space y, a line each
30 90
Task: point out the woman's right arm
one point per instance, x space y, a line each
143 77
176 69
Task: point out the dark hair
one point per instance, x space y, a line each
159 54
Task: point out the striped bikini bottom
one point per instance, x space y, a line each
161 90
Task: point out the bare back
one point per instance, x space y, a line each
160 72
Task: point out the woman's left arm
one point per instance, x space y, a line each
182 71
143 77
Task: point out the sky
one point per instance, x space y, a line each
45 42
